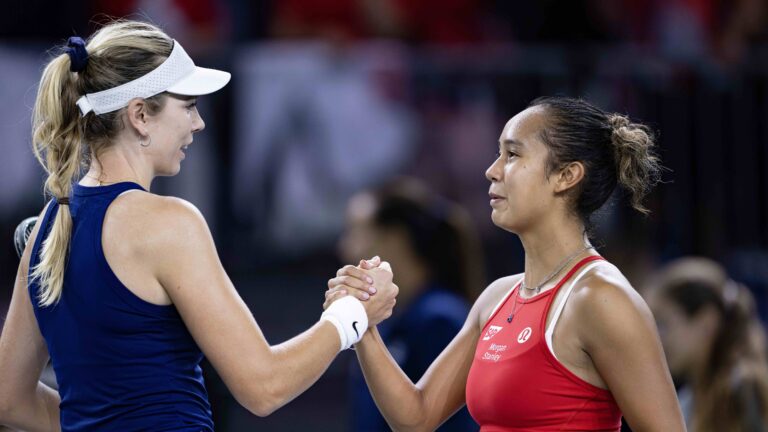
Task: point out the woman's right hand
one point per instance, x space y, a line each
373 286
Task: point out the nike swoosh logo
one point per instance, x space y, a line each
354 327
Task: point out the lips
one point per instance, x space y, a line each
493 196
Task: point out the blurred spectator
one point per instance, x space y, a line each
431 245
715 346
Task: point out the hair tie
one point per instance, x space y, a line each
78 55
63 201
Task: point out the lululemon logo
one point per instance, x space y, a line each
524 335
354 327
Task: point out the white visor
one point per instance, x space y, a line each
177 74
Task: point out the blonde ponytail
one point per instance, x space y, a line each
57 143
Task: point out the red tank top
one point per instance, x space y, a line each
516 384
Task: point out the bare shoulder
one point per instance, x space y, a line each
146 207
491 296
152 223
147 211
609 308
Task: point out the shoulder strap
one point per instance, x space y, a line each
551 329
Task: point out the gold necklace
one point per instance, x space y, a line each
559 268
514 307
537 288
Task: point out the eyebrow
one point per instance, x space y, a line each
511 142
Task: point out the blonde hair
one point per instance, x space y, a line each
63 141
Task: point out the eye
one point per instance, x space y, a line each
192 105
510 154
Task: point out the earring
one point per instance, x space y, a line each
141 142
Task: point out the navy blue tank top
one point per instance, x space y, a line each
122 364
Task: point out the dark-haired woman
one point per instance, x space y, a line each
569 344
715 345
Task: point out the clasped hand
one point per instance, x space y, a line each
371 283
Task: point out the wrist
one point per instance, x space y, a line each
349 318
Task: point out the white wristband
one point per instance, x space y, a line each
348 315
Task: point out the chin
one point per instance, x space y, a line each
499 221
169 171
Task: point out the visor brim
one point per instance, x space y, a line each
202 81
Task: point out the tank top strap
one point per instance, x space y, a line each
551 328
113 190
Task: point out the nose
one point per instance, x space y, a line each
493 173
197 124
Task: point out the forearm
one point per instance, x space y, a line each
37 412
296 364
399 400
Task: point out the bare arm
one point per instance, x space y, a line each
261 377
441 391
438 394
620 336
25 403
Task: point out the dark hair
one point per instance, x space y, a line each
731 390
612 148
440 232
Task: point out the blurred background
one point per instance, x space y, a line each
330 98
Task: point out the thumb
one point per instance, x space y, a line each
371 263
385 266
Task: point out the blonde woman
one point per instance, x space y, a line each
123 289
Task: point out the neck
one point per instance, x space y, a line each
548 246
119 163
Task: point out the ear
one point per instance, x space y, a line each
137 116
569 176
